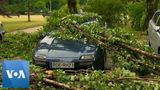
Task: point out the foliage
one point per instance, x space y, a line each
82 2
79 19
120 58
19 46
119 34
16 6
136 11
110 10
38 6
98 80
55 18
57 4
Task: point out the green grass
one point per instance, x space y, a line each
141 36
15 23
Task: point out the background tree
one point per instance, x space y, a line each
29 10
136 13
72 6
151 7
110 10
3 10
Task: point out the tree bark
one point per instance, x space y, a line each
61 85
72 6
29 9
152 6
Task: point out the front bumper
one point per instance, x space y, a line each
79 64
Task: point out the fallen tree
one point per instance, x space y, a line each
123 45
155 69
70 29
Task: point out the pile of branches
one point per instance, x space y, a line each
104 39
98 80
128 52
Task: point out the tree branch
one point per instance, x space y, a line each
61 85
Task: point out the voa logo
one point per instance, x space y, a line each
13 73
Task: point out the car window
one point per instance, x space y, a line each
70 45
67 45
158 22
90 48
155 17
43 46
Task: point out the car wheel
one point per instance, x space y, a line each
0 37
159 50
99 63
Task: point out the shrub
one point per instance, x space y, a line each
136 12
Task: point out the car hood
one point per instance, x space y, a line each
55 54
42 52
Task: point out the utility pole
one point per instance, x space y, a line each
29 9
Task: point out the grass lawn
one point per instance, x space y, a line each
141 36
15 23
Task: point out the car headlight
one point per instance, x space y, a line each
40 56
87 57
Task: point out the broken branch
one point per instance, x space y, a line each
61 85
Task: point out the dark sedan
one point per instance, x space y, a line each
67 54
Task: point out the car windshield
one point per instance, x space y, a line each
67 45
43 45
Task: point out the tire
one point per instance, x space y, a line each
159 50
1 38
99 60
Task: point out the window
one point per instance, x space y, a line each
158 22
155 18
67 45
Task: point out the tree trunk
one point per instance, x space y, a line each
152 6
156 2
29 9
72 6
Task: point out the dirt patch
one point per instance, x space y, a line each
28 30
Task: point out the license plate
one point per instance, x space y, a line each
62 65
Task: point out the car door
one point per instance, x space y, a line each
152 30
157 36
